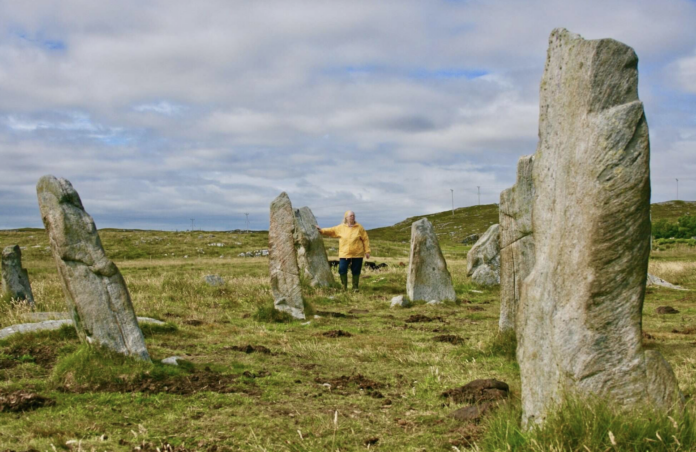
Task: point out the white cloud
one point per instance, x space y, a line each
684 70
162 107
163 110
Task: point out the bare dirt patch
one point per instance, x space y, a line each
478 391
420 318
43 355
193 322
358 311
666 310
336 333
250 349
450 339
475 308
353 382
20 401
688 330
198 381
338 315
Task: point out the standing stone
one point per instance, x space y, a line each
15 279
579 320
516 242
428 278
311 254
282 259
96 294
483 260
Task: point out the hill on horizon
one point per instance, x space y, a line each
476 219
453 228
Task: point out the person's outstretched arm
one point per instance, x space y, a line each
329 232
366 242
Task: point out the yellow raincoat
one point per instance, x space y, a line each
353 241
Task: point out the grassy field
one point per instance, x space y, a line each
359 376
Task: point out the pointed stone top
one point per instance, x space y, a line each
12 250
61 188
280 200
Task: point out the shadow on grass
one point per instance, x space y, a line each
151 329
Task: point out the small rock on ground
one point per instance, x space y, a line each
172 360
400 301
666 310
474 413
214 280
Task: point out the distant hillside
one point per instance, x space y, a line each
671 210
449 228
476 219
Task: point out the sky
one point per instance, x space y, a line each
160 112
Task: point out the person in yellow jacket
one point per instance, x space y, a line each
353 245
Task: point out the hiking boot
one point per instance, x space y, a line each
356 281
344 281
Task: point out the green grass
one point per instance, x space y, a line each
672 210
594 425
296 387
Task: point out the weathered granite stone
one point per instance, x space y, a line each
172 360
59 319
399 301
15 279
428 277
214 280
579 316
95 292
311 254
483 260
657 281
516 241
282 259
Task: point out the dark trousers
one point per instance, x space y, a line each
355 264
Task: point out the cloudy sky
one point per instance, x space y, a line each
162 111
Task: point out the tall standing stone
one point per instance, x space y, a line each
428 277
516 242
15 279
311 254
96 293
282 259
483 259
579 321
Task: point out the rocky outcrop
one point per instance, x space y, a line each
579 318
15 279
516 242
428 277
95 292
311 254
483 260
282 259
59 320
659 282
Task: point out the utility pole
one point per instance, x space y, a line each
479 194
452 190
193 222
247 222
677 189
